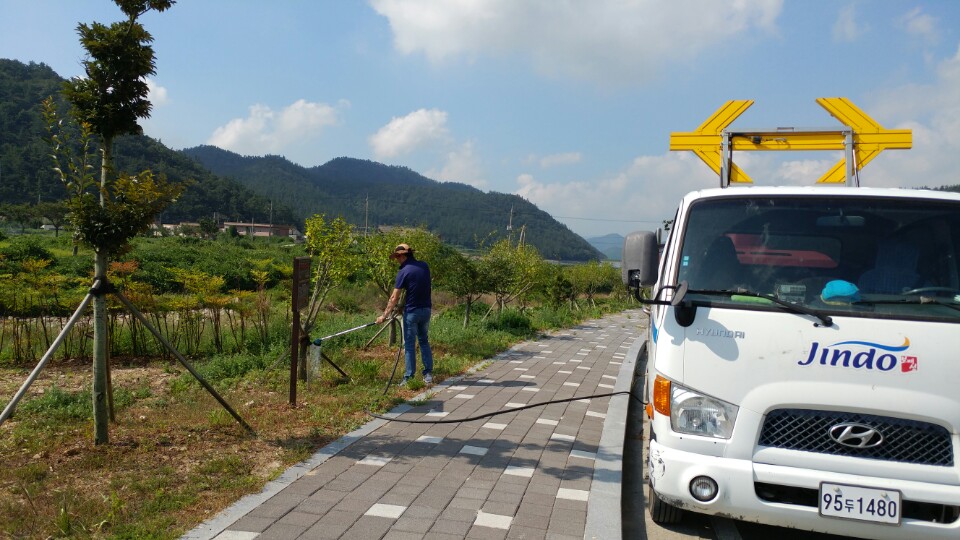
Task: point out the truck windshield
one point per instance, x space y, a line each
853 256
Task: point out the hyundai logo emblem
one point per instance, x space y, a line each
853 435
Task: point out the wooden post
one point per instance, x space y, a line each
301 296
101 430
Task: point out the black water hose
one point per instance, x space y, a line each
393 374
502 411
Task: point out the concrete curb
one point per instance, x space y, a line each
603 507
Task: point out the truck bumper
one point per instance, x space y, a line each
671 472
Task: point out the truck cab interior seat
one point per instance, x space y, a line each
720 267
894 271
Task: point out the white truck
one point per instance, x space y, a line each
803 359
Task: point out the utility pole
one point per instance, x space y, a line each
510 223
366 215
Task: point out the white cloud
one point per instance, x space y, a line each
554 160
244 134
302 118
804 172
265 131
463 166
650 187
648 190
157 94
932 112
921 25
847 27
424 133
406 134
638 198
604 41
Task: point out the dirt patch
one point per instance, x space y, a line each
74 378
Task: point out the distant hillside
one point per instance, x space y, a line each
371 193
25 166
225 185
611 245
26 174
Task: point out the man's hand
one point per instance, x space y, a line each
391 305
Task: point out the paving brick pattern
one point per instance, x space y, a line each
523 474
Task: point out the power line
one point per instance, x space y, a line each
613 220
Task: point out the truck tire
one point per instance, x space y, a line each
661 512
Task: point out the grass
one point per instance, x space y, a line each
57 405
175 457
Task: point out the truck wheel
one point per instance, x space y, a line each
661 512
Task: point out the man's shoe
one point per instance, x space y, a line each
428 378
404 381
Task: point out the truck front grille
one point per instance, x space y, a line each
906 441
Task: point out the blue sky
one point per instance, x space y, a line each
568 103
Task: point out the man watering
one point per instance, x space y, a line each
414 278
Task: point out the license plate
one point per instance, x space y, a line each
860 503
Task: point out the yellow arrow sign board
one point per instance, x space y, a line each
705 142
869 138
862 138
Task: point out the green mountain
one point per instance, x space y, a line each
371 194
611 245
25 169
26 174
237 188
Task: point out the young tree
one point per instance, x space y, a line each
34 219
583 277
463 278
107 103
593 278
55 212
21 214
334 259
560 290
511 271
208 227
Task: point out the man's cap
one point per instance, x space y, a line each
401 249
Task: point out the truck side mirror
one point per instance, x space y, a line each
641 255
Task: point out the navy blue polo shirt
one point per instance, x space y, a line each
414 276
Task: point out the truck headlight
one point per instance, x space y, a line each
696 414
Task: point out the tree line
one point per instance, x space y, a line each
218 293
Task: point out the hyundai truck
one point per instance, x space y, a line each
802 363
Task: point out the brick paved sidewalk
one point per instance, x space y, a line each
544 472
